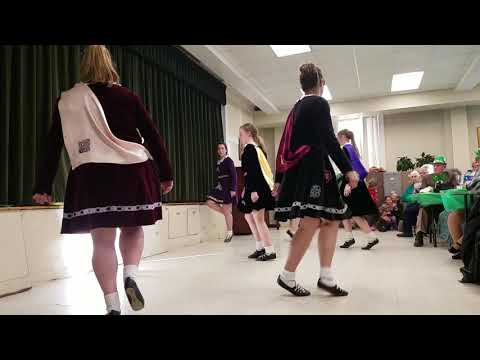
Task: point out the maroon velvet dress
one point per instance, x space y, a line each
102 195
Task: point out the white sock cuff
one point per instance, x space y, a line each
288 275
258 245
112 301
269 249
130 271
372 235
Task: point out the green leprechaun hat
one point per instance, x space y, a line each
440 159
477 154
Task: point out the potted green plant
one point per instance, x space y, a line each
404 163
424 159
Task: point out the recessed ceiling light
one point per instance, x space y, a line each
407 81
286 50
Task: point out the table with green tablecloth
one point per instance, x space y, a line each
454 199
427 199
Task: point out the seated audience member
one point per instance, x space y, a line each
425 170
441 179
456 219
398 206
411 208
372 189
387 220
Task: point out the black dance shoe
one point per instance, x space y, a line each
256 254
404 235
228 238
113 312
418 239
347 244
370 244
134 295
334 290
453 250
297 290
457 256
266 257
290 233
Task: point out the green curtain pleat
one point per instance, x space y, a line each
184 102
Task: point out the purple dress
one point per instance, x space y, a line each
226 182
355 161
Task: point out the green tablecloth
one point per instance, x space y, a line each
454 199
427 199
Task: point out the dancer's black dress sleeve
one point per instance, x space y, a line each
48 164
251 166
233 175
153 142
322 129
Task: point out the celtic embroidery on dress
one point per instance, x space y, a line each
84 146
315 191
218 187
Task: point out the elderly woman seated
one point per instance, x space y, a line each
411 209
456 219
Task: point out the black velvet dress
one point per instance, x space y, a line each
359 201
310 188
254 182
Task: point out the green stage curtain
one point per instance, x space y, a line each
184 100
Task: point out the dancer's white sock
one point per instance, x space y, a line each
348 235
229 232
371 236
130 271
259 245
112 301
327 277
288 278
269 250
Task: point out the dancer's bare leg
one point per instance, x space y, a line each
371 235
253 227
300 243
105 264
263 231
131 248
214 206
327 239
227 212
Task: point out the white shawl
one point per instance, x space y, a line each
87 136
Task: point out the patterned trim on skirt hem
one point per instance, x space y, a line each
298 210
111 208
313 207
215 199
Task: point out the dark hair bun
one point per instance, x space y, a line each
308 69
310 76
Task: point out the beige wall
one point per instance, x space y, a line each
412 133
473 115
237 112
268 135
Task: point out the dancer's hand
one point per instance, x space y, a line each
232 194
347 191
166 186
276 189
254 196
42 199
353 179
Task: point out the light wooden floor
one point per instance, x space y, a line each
214 278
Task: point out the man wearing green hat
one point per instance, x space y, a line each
441 179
